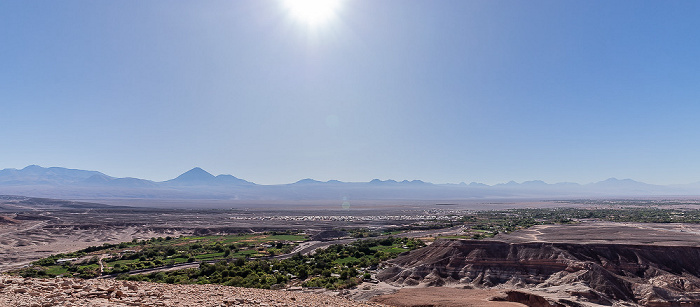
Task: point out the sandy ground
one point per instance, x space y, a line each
668 234
444 297
421 296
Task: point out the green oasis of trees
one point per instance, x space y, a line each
336 267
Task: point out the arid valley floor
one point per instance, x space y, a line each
31 229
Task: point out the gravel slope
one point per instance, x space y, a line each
31 292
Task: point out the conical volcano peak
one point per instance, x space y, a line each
195 175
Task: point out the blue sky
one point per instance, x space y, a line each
443 91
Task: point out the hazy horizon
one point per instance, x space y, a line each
444 92
397 180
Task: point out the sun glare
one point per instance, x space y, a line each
312 12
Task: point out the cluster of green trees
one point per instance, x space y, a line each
242 273
338 266
167 254
156 252
159 255
87 269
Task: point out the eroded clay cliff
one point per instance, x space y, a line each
598 273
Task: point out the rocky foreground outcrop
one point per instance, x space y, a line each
598 273
30 292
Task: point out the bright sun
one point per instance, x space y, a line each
312 12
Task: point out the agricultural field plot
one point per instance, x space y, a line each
159 252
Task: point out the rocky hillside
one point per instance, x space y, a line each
596 273
18 291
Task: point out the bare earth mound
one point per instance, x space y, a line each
18 291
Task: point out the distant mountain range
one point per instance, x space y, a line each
58 182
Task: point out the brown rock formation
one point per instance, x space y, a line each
18 291
599 273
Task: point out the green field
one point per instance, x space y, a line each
156 252
336 267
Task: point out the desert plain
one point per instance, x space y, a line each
34 228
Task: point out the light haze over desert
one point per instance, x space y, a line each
349 153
